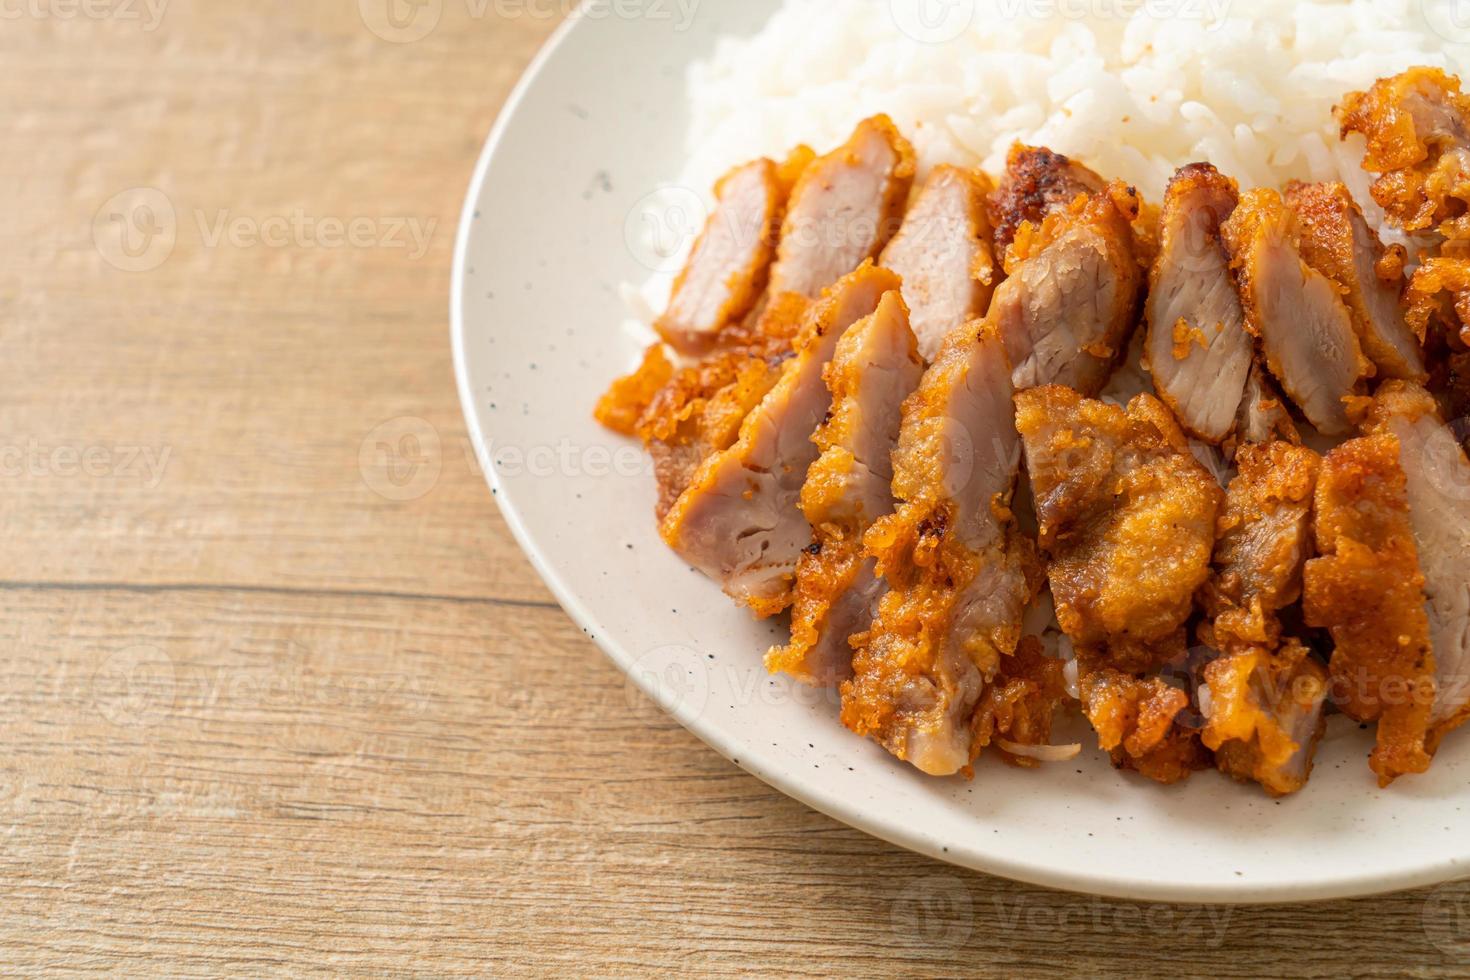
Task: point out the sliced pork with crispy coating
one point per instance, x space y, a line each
876 367
1337 242
844 209
1265 714
1438 484
1070 302
1198 350
960 574
739 521
1263 696
1127 525
1304 327
1037 183
1264 538
943 253
1417 125
727 270
1367 588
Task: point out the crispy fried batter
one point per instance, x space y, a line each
1127 520
960 574
1020 704
1417 125
1263 540
1037 182
1367 588
628 398
876 367
1265 716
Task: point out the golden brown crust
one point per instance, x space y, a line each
1367 588
1262 542
1416 123
624 403
1251 691
1036 183
1019 706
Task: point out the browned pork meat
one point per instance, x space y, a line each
1337 242
1304 327
1070 303
1367 588
1037 182
960 574
1198 350
727 270
849 487
942 251
739 521
1417 125
844 209
1263 415
1263 696
1438 484
1127 524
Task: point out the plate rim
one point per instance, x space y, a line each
832 805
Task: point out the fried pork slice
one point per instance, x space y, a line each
1127 524
1265 715
1304 327
727 270
1070 302
1417 125
697 412
1198 350
1438 483
1263 696
844 209
1367 588
943 253
876 367
1037 183
1019 706
739 521
1263 415
960 574
1263 540
1337 242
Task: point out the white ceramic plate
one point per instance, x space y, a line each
548 234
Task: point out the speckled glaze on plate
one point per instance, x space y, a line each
550 229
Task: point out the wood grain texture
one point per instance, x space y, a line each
262 714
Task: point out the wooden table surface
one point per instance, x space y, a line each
261 713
